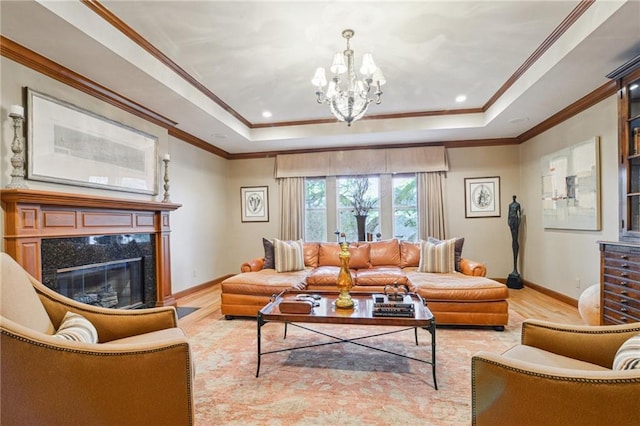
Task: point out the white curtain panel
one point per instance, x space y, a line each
291 208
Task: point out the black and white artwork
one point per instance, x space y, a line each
255 203
482 196
73 146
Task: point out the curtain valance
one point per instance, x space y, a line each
362 162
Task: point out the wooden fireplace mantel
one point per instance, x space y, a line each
32 215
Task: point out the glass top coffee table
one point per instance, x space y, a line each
325 312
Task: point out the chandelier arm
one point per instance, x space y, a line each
378 94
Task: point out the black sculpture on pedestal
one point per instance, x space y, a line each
515 215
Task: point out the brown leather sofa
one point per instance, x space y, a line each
138 373
466 297
559 375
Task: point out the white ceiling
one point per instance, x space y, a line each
260 55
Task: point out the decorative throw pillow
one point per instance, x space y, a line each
329 254
628 356
77 328
359 256
438 258
269 261
458 249
409 254
311 250
288 255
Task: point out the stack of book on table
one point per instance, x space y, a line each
383 307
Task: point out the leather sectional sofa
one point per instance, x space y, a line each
463 297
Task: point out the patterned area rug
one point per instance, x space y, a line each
336 384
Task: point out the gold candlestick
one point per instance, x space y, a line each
345 282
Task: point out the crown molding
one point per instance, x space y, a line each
37 62
121 26
596 96
45 66
125 29
575 14
197 142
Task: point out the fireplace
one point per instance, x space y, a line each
58 237
112 271
117 284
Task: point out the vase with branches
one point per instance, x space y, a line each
361 201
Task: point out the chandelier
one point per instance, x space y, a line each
348 97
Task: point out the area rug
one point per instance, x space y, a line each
336 384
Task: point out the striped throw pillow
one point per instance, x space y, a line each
458 250
77 328
438 258
289 255
628 356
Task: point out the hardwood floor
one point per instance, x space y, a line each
527 302
208 300
531 303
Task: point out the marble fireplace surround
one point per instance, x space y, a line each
31 216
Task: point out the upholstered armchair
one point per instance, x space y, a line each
558 375
139 372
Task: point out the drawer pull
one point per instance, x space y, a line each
624 283
624 274
623 301
625 265
624 292
623 319
624 256
623 309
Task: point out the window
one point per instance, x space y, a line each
393 213
315 210
405 207
347 187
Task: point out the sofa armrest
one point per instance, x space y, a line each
253 265
594 344
473 268
508 391
64 382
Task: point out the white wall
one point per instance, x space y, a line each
487 239
244 241
558 259
199 229
198 180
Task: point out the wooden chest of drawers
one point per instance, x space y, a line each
620 283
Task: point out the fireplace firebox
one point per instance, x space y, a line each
116 284
112 271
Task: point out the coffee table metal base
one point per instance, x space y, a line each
431 329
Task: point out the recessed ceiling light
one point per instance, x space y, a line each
266 114
461 98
